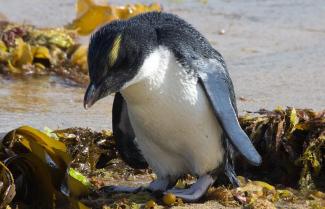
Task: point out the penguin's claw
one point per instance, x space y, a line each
196 191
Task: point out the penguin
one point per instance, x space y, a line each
175 108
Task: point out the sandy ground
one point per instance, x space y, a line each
274 50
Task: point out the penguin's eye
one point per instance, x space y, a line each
114 52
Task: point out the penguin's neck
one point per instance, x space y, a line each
159 76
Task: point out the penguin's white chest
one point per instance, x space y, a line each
174 124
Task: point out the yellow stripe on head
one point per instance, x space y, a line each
113 54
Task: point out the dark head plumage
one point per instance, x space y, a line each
136 38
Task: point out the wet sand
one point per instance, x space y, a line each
274 51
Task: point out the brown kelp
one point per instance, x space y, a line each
292 143
27 50
90 15
40 168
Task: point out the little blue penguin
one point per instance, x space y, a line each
174 108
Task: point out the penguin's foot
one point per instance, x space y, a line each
196 191
122 189
158 185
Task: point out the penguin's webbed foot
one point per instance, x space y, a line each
159 185
196 191
122 189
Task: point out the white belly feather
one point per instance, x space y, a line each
175 126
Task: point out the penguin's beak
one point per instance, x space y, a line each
96 92
91 96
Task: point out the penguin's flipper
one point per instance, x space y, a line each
124 135
217 84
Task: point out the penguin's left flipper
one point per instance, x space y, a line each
124 135
215 80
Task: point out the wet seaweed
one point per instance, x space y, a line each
90 15
90 150
26 50
292 144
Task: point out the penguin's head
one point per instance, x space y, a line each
115 54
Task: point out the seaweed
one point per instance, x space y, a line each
26 50
292 144
91 15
